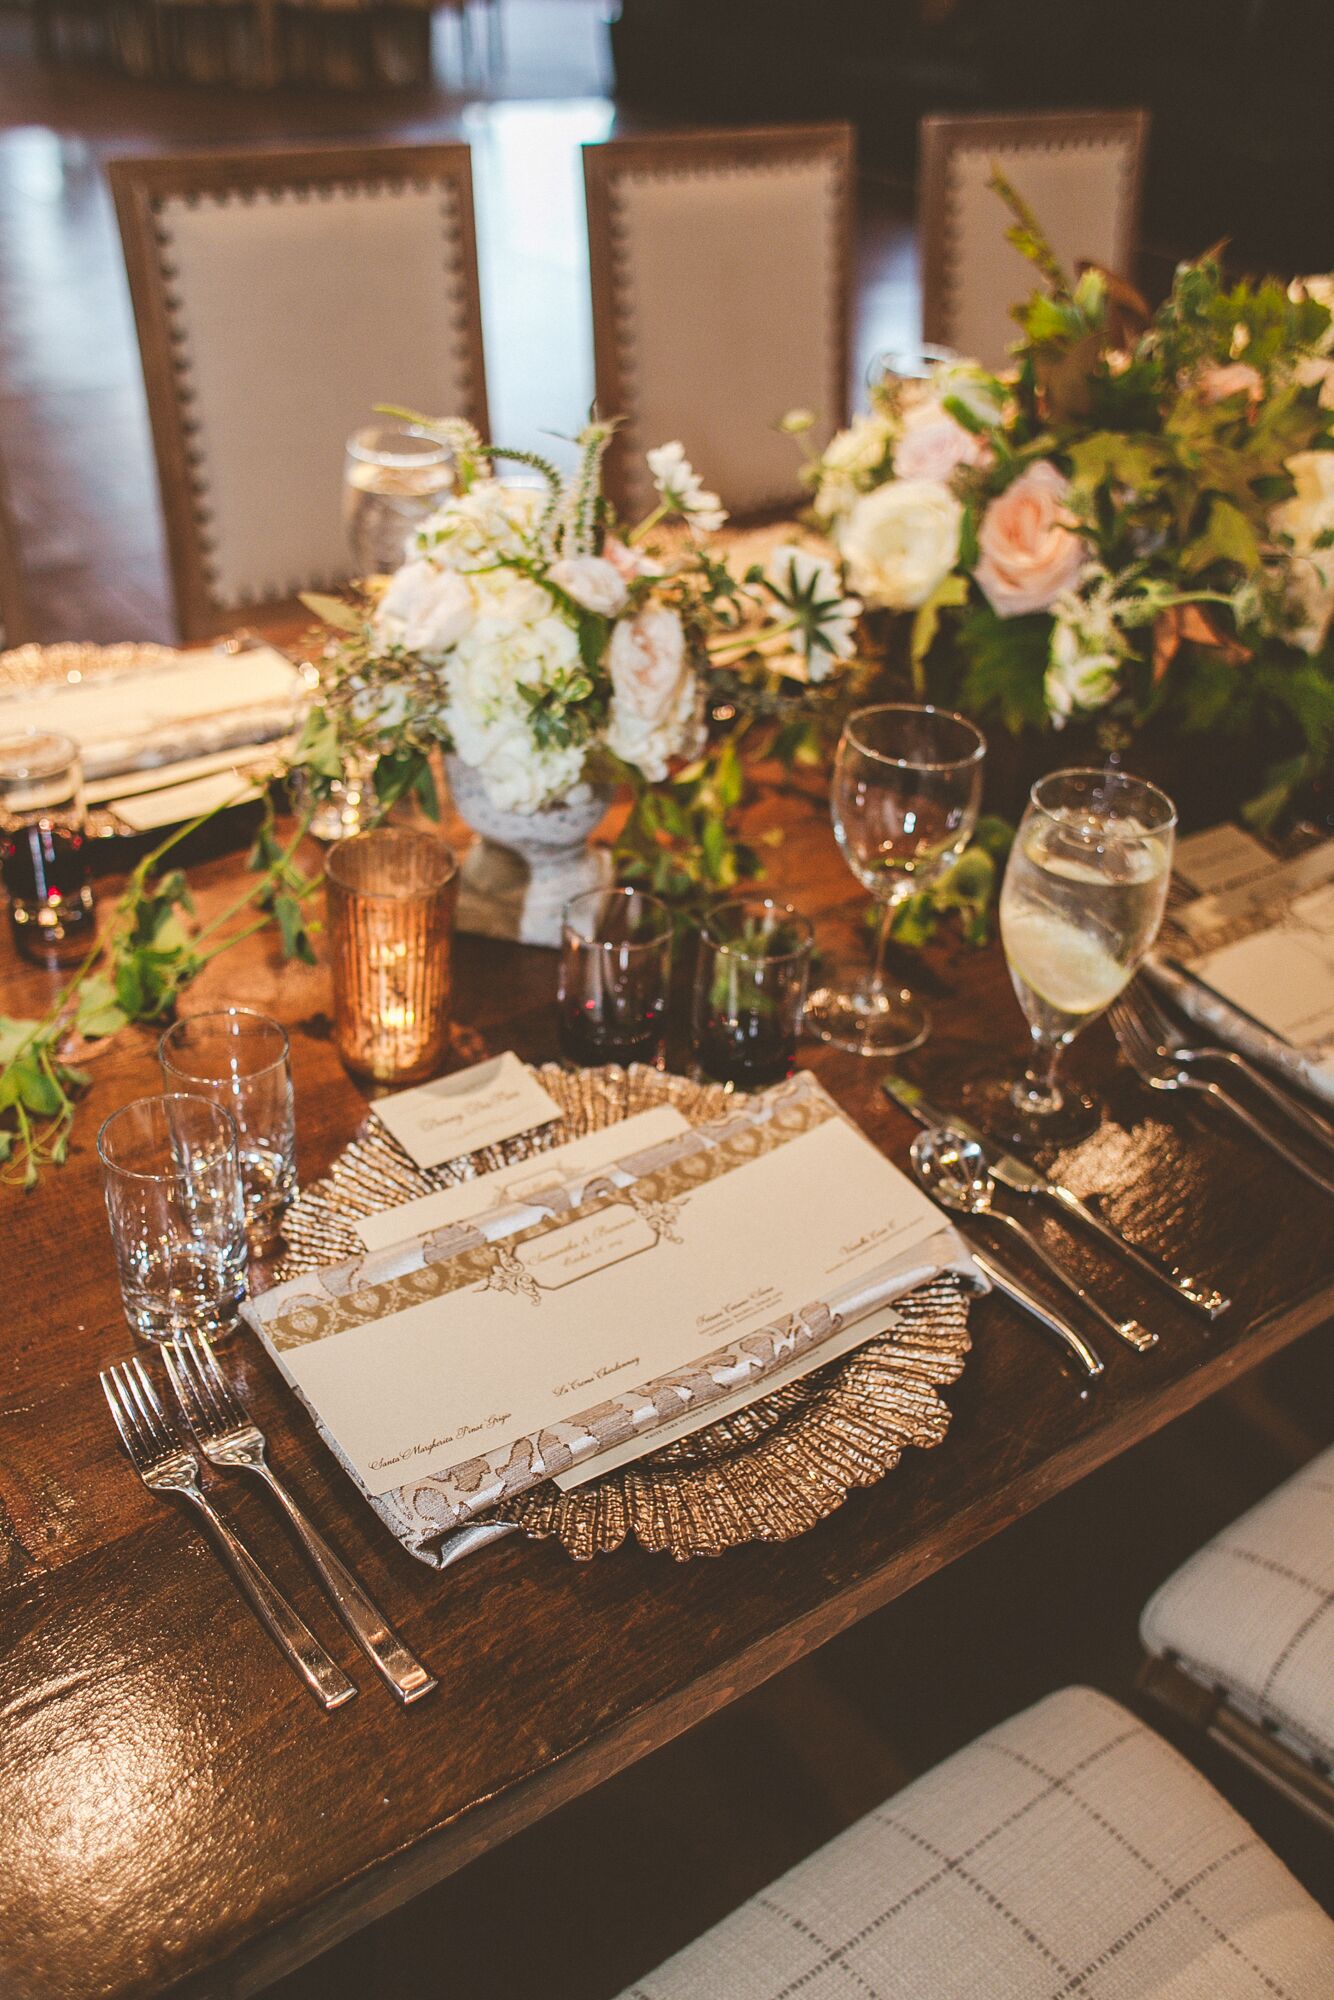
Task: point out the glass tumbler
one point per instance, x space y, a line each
615 967
390 898
242 1061
173 1192
395 476
43 855
750 991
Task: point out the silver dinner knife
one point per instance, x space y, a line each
1086 1359
1020 1178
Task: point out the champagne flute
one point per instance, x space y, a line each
906 789
1082 901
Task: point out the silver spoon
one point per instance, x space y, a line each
955 1169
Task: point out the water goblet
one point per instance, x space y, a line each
395 476
1083 898
906 789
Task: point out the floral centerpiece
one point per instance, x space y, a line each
554 655
1133 528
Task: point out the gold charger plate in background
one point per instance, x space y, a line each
766 1473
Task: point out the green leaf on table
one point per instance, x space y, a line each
99 1012
28 1082
318 748
292 925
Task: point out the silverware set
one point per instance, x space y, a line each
220 1426
961 1170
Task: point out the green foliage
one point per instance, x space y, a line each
1005 666
678 840
968 891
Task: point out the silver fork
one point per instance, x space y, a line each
1163 1072
162 1460
1165 1036
227 1436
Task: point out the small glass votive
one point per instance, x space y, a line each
395 475
390 898
242 1061
750 991
173 1192
615 966
43 852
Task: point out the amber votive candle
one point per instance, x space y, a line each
390 898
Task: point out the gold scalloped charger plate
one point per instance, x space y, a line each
765 1473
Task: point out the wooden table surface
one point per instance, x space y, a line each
176 1813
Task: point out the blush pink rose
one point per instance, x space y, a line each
933 446
1215 383
1028 549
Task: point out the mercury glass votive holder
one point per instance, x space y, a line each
390 898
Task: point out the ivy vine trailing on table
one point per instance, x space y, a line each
147 951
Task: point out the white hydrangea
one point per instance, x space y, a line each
475 527
516 637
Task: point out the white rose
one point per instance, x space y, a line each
859 450
425 609
1077 681
901 542
1305 518
654 703
591 581
933 445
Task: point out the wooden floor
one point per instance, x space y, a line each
73 426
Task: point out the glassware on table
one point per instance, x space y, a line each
242 1061
615 969
43 851
910 364
395 476
750 991
1083 897
172 1184
904 797
390 897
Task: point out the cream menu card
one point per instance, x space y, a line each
506 1347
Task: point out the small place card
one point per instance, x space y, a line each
474 1107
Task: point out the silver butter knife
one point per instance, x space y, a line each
1086 1359
1020 1178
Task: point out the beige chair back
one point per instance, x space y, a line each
1080 172
720 276
13 607
279 297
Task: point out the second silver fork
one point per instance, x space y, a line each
227 1436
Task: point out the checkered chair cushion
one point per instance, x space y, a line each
1252 1614
1068 1853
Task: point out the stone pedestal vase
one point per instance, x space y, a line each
518 877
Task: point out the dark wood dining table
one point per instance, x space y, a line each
176 1814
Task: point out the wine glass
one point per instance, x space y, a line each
396 475
906 789
1083 897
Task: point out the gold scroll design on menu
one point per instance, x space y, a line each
490 1266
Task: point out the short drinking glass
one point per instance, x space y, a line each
394 478
750 991
242 1061
43 856
173 1193
905 795
615 967
1083 897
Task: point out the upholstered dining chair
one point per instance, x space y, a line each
13 605
279 297
1079 171
720 276
1068 1851
1240 1639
